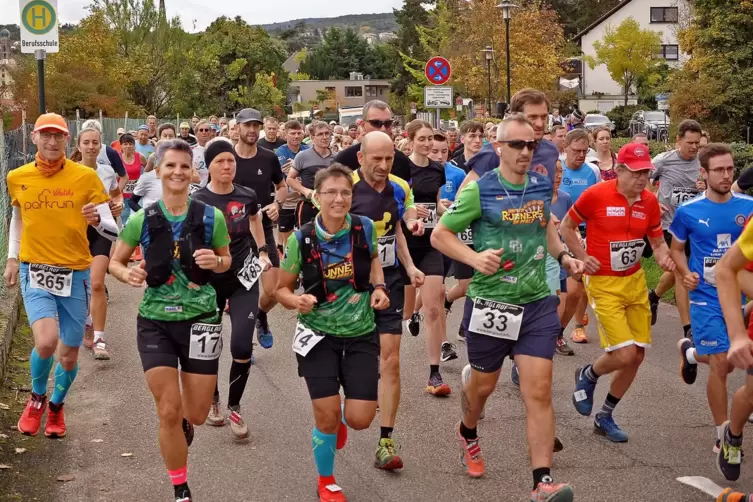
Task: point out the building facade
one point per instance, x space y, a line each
7 63
356 91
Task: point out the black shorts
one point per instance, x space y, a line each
427 260
98 245
390 320
304 213
269 237
668 240
244 307
166 343
461 271
286 221
352 362
447 265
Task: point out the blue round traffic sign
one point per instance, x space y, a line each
438 70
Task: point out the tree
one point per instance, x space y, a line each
263 96
342 52
628 52
577 15
407 44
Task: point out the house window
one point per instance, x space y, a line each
664 15
354 92
670 52
374 91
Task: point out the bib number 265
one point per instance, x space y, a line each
54 280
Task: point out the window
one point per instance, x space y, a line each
354 92
664 15
670 52
374 91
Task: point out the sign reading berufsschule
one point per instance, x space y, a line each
39 25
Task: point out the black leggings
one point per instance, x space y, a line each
244 306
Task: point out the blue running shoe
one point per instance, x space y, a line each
514 376
604 425
583 397
730 455
264 334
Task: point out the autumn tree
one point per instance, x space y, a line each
629 53
263 95
407 43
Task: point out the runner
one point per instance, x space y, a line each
602 137
511 238
239 285
286 154
259 169
556 275
305 166
676 175
185 134
271 141
473 139
151 123
335 341
143 145
710 223
559 133
177 320
617 213
48 236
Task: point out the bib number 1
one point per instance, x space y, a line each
387 250
304 340
54 280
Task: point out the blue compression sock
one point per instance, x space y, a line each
324 451
40 372
63 381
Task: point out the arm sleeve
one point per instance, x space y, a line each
291 260
115 161
220 236
465 210
14 234
107 227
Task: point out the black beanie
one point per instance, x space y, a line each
216 148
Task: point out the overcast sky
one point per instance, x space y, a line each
206 11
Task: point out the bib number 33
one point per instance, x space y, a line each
54 280
496 319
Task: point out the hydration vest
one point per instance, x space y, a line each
312 267
160 253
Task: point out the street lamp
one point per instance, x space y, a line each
489 55
505 7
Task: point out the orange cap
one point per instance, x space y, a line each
51 121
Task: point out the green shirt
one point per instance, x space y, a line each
511 217
178 299
350 313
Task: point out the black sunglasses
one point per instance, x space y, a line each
519 144
378 124
204 130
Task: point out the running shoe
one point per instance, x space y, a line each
718 446
414 323
461 334
465 375
653 302
549 491
55 426
215 417
264 334
436 386
563 348
729 458
386 456
728 495
188 431
470 457
182 493
514 375
89 336
688 370
100 351
604 425
583 397
31 418
448 352
329 491
579 335
558 446
237 426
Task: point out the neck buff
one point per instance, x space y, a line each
49 168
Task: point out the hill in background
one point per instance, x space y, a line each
366 23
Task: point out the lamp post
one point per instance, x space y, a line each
505 7
489 55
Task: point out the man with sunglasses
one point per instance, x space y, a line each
203 134
377 116
618 214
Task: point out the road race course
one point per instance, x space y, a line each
668 422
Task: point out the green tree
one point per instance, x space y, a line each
263 95
342 52
577 15
408 46
628 52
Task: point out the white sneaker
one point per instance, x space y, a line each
100 351
465 375
215 417
237 426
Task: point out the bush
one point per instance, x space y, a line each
655 147
621 115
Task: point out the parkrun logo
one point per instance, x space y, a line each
44 202
530 213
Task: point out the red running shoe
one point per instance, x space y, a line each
329 491
55 427
31 418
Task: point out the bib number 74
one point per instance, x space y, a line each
304 339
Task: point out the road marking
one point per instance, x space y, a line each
703 484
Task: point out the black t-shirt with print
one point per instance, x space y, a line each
260 173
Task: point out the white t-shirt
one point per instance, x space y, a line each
107 176
200 164
149 188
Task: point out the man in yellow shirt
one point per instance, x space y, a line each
54 201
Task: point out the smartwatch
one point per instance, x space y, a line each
382 286
263 249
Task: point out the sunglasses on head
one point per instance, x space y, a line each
519 144
378 124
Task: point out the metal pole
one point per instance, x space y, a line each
40 74
439 119
489 88
507 41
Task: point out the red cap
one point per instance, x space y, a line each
635 156
51 121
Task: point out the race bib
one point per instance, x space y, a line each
193 188
496 319
54 280
466 236
680 195
387 250
709 270
206 341
250 272
130 186
625 254
304 340
431 220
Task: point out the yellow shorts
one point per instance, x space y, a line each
622 310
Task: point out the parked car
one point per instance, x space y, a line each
653 123
595 120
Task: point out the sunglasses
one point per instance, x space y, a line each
519 144
204 130
378 124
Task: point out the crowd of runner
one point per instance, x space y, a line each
357 229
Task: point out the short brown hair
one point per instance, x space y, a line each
688 125
416 125
336 170
577 135
270 120
293 125
712 150
440 136
527 97
557 128
470 126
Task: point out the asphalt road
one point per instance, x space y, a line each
110 412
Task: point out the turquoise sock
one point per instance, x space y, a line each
324 451
40 372
63 381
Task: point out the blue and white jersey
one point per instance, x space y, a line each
454 177
576 181
711 228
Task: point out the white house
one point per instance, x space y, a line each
597 89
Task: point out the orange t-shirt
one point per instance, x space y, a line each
614 229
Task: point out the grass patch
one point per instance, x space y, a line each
653 274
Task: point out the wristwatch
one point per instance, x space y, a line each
263 249
563 254
381 286
219 261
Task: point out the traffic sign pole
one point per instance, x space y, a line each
438 72
40 73
39 35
